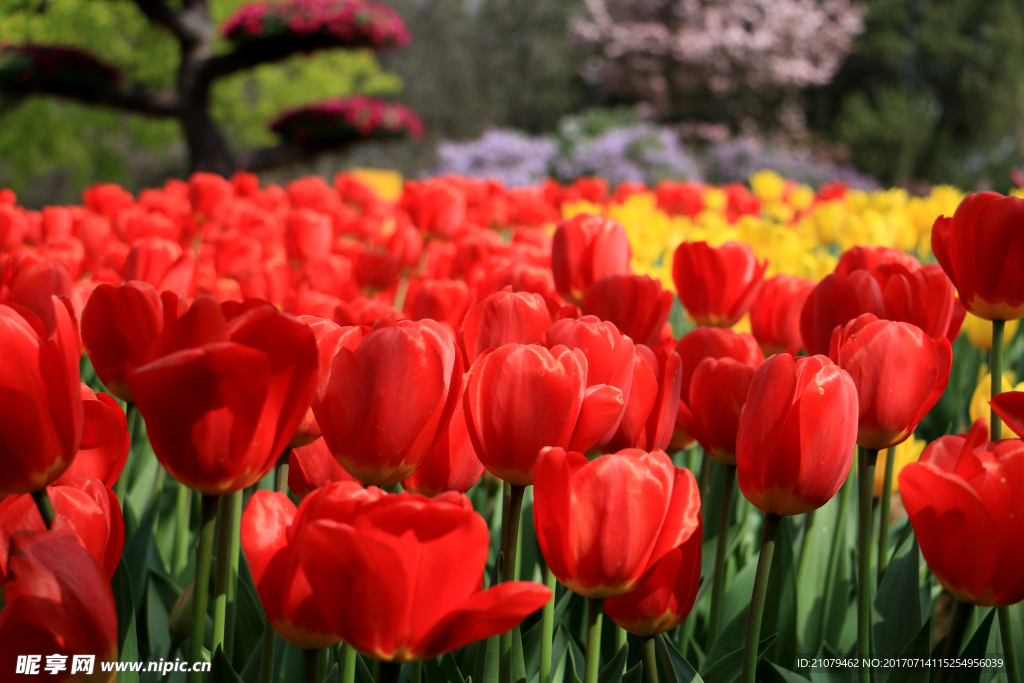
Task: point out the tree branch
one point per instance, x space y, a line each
135 100
265 158
158 12
269 50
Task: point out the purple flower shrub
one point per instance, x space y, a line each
513 158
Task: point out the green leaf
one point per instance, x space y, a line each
362 672
897 608
221 671
531 650
333 675
518 665
251 671
161 594
1017 625
675 666
730 639
127 643
919 646
809 596
634 675
770 672
612 671
248 624
451 668
577 664
975 649
731 665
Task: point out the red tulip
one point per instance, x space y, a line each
837 300
775 315
899 371
868 258
980 248
717 285
442 300
226 392
795 441
649 417
665 597
602 525
273 531
718 390
389 399
364 311
636 304
964 501
313 466
398 578
702 343
120 325
40 398
452 465
610 355
505 317
1010 407
58 601
86 510
522 398
584 249
162 263
105 443
923 297
34 281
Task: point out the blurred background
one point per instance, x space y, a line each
871 92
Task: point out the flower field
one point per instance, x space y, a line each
439 430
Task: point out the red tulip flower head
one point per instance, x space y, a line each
636 304
665 597
313 466
522 398
584 249
604 524
452 465
717 285
105 443
399 577
649 417
505 317
389 399
980 248
273 531
718 390
775 315
226 392
868 258
58 601
40 398
795 441
899 371
964 501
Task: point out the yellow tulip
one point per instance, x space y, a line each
907 452
983 394
979 332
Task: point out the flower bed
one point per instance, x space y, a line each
347 118
355 23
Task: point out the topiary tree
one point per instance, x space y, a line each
256 34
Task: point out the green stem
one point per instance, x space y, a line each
510 538
45 505
220 586
838 535
955 637
593 657
131 414
865 480
757 598
805 547
1009 651
718 582
204 558
269 634
348 664
170 655
547 628
996 425
620 639
883 525
234 501
309 666
650 659
702 478
182 510
417 672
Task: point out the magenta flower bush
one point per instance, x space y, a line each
354 22
335 120
54 67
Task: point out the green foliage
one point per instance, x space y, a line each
935 91
43 135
